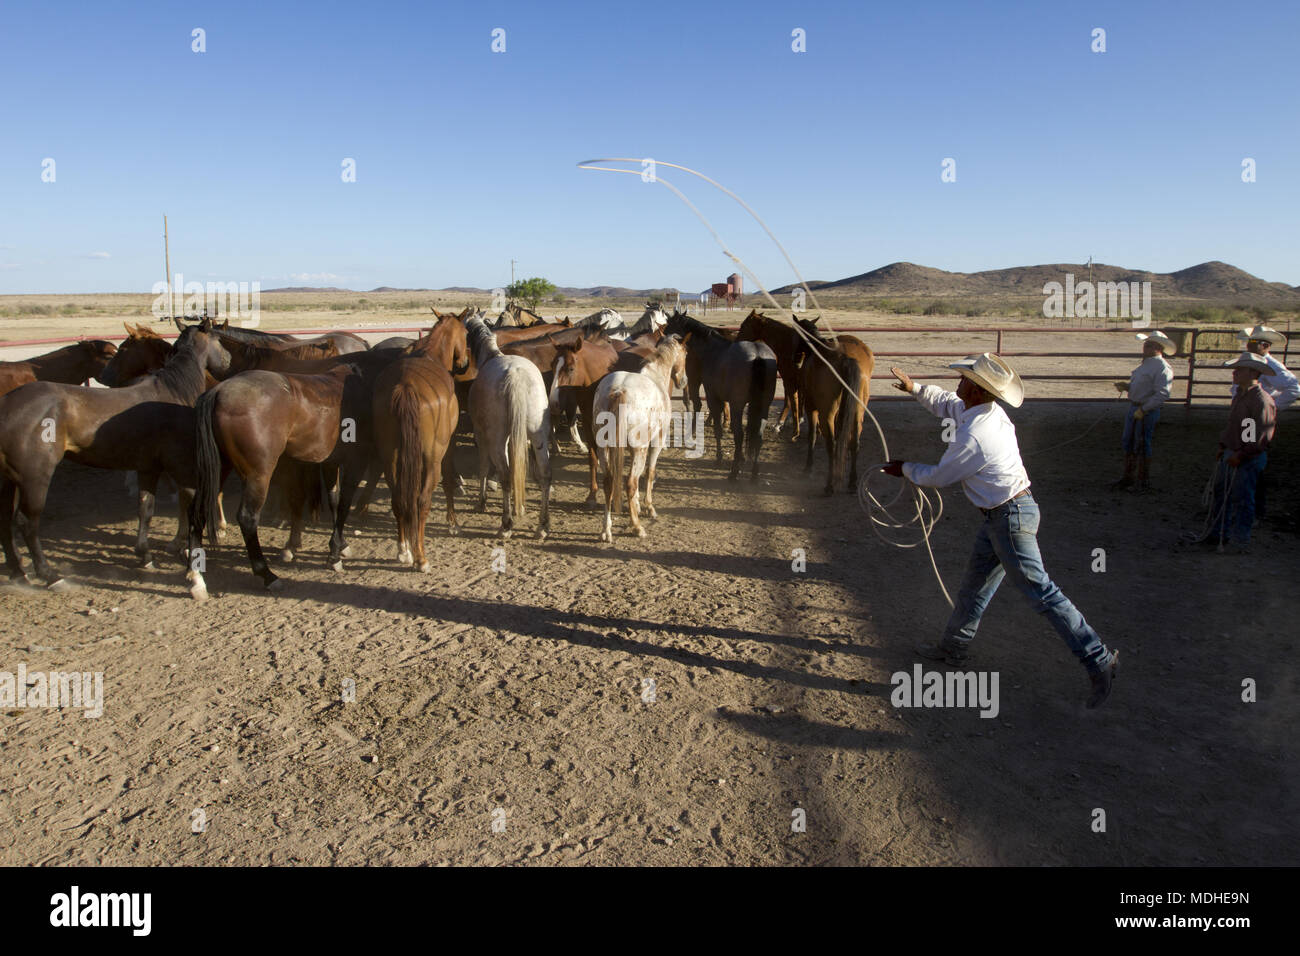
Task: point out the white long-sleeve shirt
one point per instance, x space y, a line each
1150 382
983 455
1279 382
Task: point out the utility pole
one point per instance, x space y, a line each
512 271
167 259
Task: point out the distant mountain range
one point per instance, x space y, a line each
1216 281
1210 281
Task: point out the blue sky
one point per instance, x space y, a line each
466 158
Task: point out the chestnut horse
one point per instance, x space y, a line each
784 343
71 365
251 421
838 417
415 414
737 375
44 422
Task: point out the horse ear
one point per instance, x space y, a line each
129 331
814 321
180 326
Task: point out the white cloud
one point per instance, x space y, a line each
314 276
99 255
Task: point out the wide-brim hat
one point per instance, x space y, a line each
1248 360
1262 333
1165 342
994 375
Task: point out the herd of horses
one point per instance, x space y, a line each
312 418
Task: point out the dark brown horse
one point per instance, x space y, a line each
735 375
346 343
785 343
415 415
71 365
253 420
837 417
141 352
43 422
579 367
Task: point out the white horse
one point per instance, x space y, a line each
510 412
631 410
651 320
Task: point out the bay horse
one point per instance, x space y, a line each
44 422
828 409
785 343
252 420
71 365
508 406
579 367
632 411
735 375
415 414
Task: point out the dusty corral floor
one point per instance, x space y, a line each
523 690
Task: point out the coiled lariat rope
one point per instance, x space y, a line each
1214 516
924 512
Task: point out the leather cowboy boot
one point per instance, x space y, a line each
1144 474
1130 462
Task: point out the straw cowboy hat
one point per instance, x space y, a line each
1248 360
994 375
1165 342
1262 333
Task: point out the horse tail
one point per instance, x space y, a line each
408 460
204 511
847 416
518 443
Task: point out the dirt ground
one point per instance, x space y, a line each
520 696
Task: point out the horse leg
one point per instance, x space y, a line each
589 433
449 479
8 492
754 440
184 498
828 433
543 462
373 471
813 427
148 485
483 465
345 490
737 411
250 509
294 495
853 438
507 494
795 401
221 514
715 417
651 465
634 489
31 503
607 530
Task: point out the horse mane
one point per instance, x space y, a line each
481 340
181 374
813 333
695 326
645 323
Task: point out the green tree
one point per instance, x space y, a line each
530 291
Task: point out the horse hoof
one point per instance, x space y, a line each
505 534
199 592
541 534
453 530
148 565
336 566
346 552
640 532
61 586
275 584
286 556
424 568
494 485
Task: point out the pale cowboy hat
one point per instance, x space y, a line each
1165 342
1248 360
994 375
1262 333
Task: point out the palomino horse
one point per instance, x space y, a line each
71 365
735 375
251 421
829 409
415 414
579 367
633 410
785 344
44 422
508 406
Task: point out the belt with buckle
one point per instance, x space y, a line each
988 512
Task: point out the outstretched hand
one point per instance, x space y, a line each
894 467
904 383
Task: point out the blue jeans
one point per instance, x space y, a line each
1007 546
1148 427
1241 497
